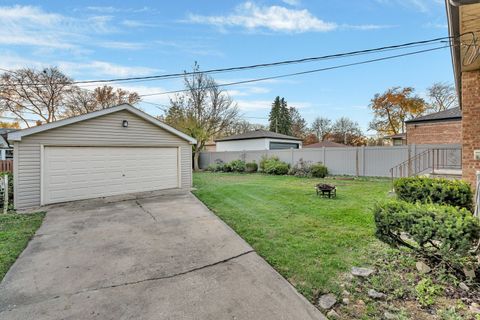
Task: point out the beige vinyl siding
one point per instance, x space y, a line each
104 130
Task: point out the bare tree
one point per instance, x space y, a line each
80 101
28 91
347 131
107 96
299 125
203 111
322 127
242 126
442 96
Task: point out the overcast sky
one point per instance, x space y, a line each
105 39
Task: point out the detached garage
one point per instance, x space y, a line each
109 152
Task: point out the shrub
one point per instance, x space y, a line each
10 191
236 166
276 167
266 159
319 170
251 167
427 292
439 233
301 169
440 191
218 166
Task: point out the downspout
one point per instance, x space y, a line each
477 197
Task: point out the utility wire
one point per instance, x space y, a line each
263 65
302 72
234 69
17 119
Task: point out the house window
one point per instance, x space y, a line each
283 145
397 142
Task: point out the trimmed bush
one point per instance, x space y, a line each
266 159
455 193
301 169
276 167
439 233
318 170
10 191
218 166
251 167
236 166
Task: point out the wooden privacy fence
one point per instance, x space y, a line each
6 165
358 161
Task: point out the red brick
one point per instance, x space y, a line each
445 132
470 124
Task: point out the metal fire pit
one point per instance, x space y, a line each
326 190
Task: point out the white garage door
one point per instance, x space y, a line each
74 173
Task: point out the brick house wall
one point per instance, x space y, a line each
470 124
439 132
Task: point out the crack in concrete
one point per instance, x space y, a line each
169 276
138 281
145 210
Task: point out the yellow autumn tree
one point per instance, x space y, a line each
392 108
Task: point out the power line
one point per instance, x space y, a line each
263 65
16 119
302 72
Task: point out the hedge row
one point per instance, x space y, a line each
271 165
455 193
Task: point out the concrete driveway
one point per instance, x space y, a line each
156 257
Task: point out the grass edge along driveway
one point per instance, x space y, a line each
308 239
16 230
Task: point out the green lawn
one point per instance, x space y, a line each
15 232
309 240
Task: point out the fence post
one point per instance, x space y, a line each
409 163
324 160
357 166
292 156
5 194
363 161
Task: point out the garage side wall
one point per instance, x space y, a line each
101 131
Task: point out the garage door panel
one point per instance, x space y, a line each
74 173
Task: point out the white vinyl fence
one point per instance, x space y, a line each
355 161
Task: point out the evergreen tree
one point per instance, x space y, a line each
280 117
274 117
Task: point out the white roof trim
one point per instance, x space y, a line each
17 135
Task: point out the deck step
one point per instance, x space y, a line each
454 174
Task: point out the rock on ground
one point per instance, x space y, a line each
463 286
375 294
332 314
361 272
327 301
475 308
422 267
389 316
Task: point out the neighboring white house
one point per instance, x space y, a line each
6 150
258 140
